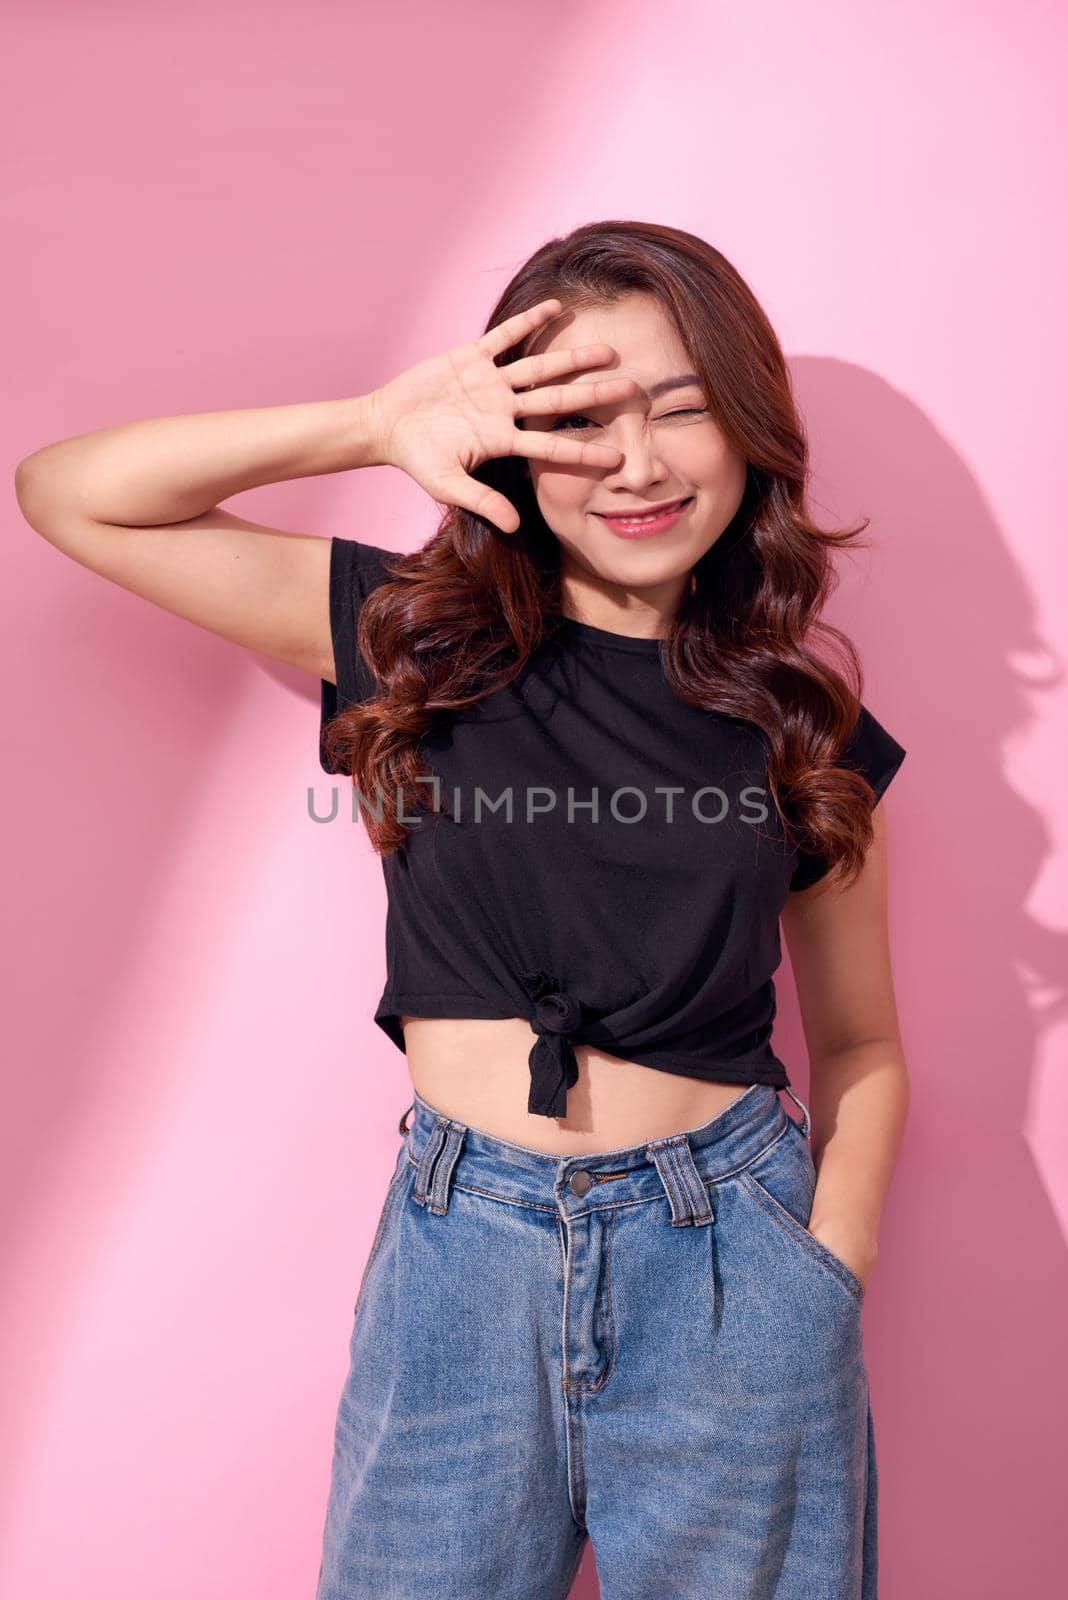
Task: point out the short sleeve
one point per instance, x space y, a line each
355 569
876 755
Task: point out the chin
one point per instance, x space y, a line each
635 570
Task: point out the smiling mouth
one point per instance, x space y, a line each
644 516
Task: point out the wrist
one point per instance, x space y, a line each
363 430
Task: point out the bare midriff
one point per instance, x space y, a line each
477 1071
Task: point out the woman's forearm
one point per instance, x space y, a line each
859 1104
168 469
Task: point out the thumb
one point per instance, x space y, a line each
470 495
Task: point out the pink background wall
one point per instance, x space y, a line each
211 207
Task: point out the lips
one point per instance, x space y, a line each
647 514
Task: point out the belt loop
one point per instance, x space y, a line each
402 1125
807 1123
683 1184
436 1162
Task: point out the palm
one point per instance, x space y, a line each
441 418
457 410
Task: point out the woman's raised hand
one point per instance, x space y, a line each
440 419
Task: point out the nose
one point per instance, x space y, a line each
637 443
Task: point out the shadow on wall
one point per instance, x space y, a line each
971 1254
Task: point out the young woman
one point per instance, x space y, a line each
616 1289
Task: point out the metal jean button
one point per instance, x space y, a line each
580 1181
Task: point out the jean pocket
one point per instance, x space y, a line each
782 1181
402 1173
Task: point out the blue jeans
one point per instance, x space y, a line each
645 1347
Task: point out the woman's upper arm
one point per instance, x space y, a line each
840 954
258 586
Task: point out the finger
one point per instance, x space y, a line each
573 396
538 446
553 364
509 332
470 495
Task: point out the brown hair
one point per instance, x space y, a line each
465 612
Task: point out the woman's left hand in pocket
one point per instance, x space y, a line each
855 1246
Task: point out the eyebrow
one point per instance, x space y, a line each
672 383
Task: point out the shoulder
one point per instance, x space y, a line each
357 567
873 751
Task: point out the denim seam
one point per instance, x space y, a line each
696 1189
387 1206
545 1155
670 1180
438 1193
795 1230
613 1205
573 1419
428 1155
722 1177
685 1200
572 1428
576 1386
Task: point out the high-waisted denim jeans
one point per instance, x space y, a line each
645 1346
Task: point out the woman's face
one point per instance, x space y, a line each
671 449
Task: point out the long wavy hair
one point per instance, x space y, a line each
460 617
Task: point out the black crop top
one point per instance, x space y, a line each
609 865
